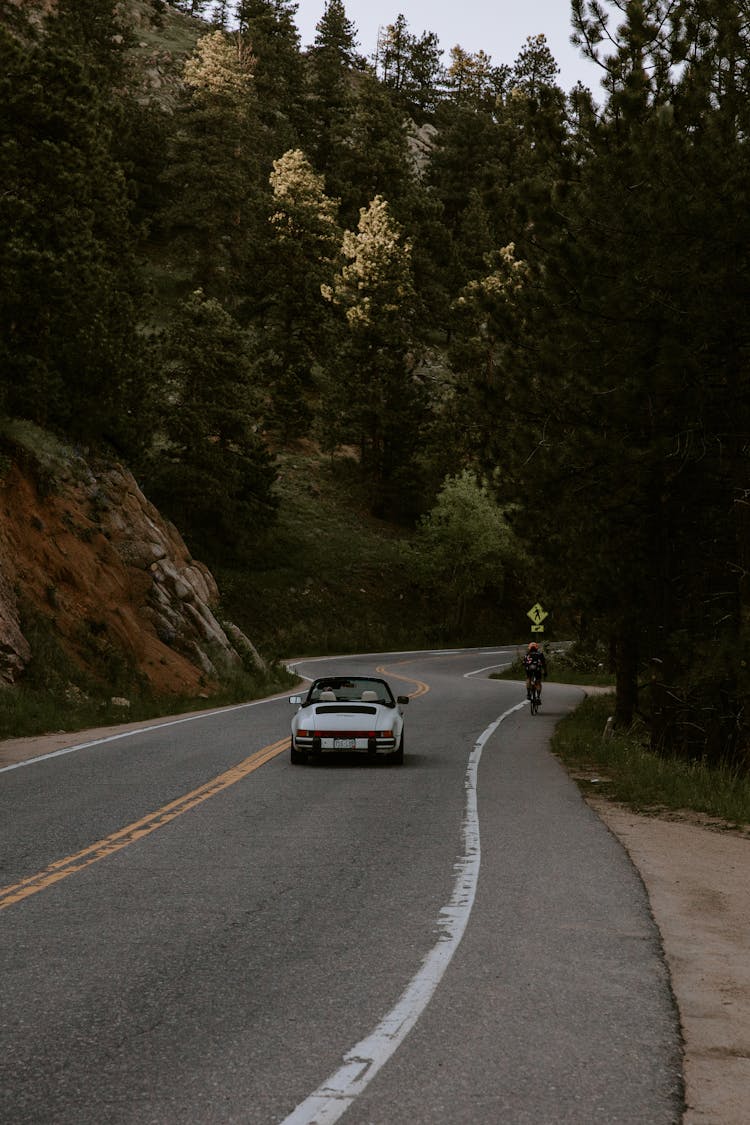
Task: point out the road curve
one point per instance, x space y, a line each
194 931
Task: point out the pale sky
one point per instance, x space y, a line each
497 27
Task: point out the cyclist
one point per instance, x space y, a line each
535 666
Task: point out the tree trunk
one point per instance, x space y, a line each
626 675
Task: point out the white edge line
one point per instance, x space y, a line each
291 667
137 730
487 669
364 1060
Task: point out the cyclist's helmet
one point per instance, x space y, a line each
533 646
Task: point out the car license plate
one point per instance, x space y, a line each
344 743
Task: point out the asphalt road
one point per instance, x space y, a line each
198 932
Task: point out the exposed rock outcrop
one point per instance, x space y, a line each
88 551
421 140
14 648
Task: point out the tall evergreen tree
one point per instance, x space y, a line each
335 44
270 28
535 68
97 33
296 337
427 75
214 220
220 14
211 471
613 350
333 64
410 67
473 79
393 52
376 396
495 158
373 158
69 291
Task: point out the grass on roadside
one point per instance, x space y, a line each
623 768
28 711
58 694
561 671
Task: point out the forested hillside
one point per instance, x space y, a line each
501 326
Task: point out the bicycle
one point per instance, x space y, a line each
535 699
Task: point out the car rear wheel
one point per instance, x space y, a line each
297 757
398 755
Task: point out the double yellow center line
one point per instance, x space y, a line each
422 687
72 864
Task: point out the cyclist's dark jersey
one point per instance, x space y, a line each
535 665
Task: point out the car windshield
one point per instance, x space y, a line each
356 689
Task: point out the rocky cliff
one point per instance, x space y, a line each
82 546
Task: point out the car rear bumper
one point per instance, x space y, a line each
335 744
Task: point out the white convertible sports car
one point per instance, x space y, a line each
348 714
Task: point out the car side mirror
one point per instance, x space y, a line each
296 699
403 699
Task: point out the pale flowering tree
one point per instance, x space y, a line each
489 315
377 399
306 239
213 168
491 300
221 67
506 280
376 284
304 214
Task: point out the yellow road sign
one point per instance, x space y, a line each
537 614
537 628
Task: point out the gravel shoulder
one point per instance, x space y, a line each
697 875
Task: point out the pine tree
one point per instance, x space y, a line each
220 14
535 68
271 31
336 41
494 162
97 33
373 156
69 291
296 336
357 129
473 80
410 67
614 356
211 471
215 213
393 52
332 69
376 397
